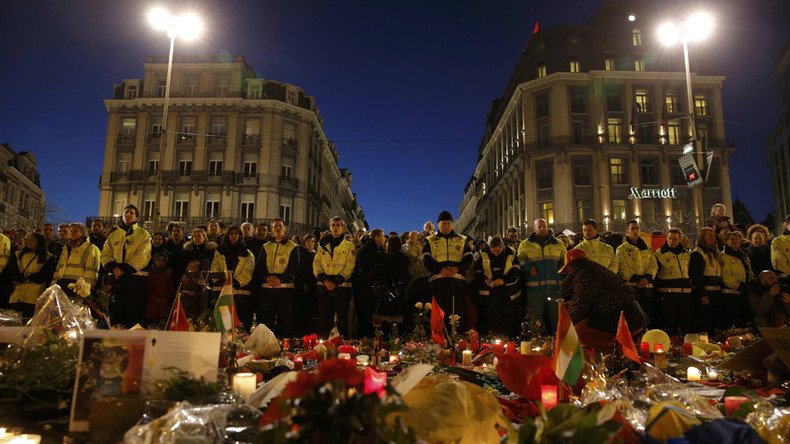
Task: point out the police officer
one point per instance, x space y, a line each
637 266
126 253
80 259
673 287
705 275
780 253
447 256
333 266
498 276
541 256
277 267
594 249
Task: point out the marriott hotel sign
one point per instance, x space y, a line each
652 193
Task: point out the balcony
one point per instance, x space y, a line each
251 140
290 145
224 177
217 139
125 139
153 138
246 179
120 177
289 182
185 139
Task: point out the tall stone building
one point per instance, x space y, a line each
237 148
591 125
779 144
22 201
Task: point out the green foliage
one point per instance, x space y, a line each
181 387
567 423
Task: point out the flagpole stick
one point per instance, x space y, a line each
560 301
173 307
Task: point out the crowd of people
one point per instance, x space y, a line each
299 284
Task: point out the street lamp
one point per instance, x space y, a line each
695 28
187 26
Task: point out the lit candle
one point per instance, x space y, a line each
363 359
644 348
548 396
19 439
511 347
498 346
286 344
496 362
688 349
659 357
693 374
244 384
524 348
713 374
394 359
375 382
466 357
298 362
658 347
733 403
344 356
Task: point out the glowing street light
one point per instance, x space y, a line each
696 27
187 26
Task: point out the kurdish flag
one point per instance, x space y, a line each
225 310
568 359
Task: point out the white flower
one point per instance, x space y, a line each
418 305
454 317
81 287
428 306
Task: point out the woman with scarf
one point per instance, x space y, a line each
233 256
736 275
705 275
34 268
79 259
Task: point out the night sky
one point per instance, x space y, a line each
404 86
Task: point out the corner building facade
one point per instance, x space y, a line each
237 148
592 124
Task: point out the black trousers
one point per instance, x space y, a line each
128 300
245 307
450 294
500 311
331 303
279 310
677 312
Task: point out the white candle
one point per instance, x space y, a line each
466 357
344 356
524 348
394 359
363 359
20 439
244 384
693 374
713 374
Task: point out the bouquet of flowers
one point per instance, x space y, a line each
422 319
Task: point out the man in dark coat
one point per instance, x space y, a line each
594 297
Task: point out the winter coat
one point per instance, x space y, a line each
593 290
599 252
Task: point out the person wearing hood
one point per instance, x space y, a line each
780 253
126 253
233 256
34 269
770 301
333 267
79 259
276 270
595 249
498 281
736 275
637 266
594 297
540 256
447 256
673 287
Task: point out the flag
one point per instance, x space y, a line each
568 359
178 319
536 28
225 309
626 341
437 323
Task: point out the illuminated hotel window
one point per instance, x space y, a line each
610 64
542 70
582 210
547 211
574 65
700 105
616 173
639 65
673 133
642 99
615 130
636 35
618 209
671 102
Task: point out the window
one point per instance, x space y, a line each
124 162
648 210
215 164
291 97
289 135
248 209
542 104
222 86
153 163
642 99
544 134
639 65
678 177
671 104
161 88
579 132
582 174
192 85
680 210
610 64
545 175
578 100
613 100
285 208
181 207
574 65
156 127
286 168
131 91
648 171
615 129
250 168
212 205
219 126
547 211
636 37
582 210
254 91
702 134
541 70
701 105
616 171
148 208
129 126
673 132
618 209
185 164
120 201
188 125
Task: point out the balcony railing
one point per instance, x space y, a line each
217 139
125 139
246 179
290 145
251 140
289 182
153 138
185 139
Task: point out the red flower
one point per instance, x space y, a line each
297 388
258 377
340 370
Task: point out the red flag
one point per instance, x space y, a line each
437 322
536 28
626 341
178 320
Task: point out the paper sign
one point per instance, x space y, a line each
779 340
410 377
